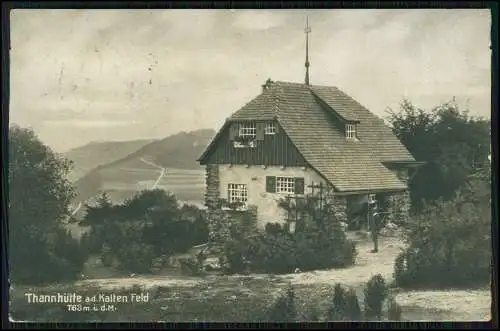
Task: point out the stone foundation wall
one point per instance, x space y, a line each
399 203
212 193
340 208
398 206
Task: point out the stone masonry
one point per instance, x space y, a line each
218 222
399 202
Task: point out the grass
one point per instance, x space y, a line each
247 298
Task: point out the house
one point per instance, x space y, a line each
293 135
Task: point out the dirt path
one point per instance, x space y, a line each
438 305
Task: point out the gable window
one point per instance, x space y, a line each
237 193
350 131
248 130
288 185
270 128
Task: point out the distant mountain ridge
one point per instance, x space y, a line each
97 153
143 165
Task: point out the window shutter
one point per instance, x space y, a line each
299 185
270 184
260 131
276 127
233 131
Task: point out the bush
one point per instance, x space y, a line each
353 310
106 256
279 251
376 292
284 310
449 244
191 266
344 305
337 310
135 257
394 311
68 249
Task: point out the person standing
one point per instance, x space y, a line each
374 217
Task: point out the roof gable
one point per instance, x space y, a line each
307 115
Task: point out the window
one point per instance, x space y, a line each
291 185
237 193
270 128
285 185
248 130
350 131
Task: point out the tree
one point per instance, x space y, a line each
452 143
39 199
449 243
146 226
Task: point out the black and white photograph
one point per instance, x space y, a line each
249 165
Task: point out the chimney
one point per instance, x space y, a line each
267 85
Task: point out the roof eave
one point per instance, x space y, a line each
210 146
374 191
410 163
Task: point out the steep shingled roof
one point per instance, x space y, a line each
306 115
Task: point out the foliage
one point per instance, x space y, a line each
149 225
376 292
318 242
394 311
353 310
284 309
192 266
344 305
452 143
449 244
338 308
39 198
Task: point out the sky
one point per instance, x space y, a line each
98 75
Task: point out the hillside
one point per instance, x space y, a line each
94 154
169 163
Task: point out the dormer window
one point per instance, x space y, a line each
248 130
350 131
270 128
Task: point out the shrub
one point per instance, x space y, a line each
394 311
353 309
135 257
284 310
191 266
68 248
279 251
106 256
274 253
449 244
158 263
344 305
338 305
233 260
376 292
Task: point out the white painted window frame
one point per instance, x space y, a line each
289 183
237 193
270 128
350 131
247 130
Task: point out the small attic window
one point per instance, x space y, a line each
270 128
350 131
248 130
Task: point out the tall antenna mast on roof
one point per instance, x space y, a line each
307 30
